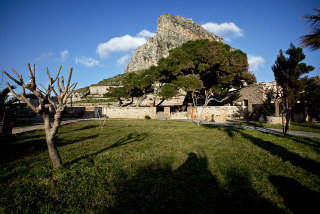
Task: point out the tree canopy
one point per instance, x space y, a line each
199 65
205 65
287 72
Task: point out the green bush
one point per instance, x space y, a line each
147 117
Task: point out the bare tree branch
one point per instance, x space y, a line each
69 79
41 90
22 98
57 74
58 85
62 83
19 76
13 79
45 104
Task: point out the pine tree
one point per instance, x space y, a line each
288 72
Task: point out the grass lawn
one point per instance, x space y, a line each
150 166
25 123
306 127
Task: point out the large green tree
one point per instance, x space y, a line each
219 67
312 40
201 68
205 69
135 85
287 72
118 93
311 97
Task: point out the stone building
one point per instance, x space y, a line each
255 95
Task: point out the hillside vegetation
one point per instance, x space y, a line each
112 81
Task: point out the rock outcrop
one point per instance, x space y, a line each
172 32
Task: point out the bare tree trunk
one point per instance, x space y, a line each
288 117
156 95
288 121
119 102
195 105
282 120
162 100
51 140
276 106
202 109
141 99
306 112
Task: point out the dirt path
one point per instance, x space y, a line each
36 127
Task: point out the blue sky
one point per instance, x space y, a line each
68 33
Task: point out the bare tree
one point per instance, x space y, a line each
45 104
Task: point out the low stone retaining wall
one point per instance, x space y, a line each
178 115
275 120
72 112
219 113
130 112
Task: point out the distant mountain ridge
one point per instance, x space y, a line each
172 32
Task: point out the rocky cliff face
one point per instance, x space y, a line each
172 32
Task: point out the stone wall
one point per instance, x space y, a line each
130 112
98 89
220 113
71 112
275 120
178 115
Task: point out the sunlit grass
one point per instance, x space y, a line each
160 166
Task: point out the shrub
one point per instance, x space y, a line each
147 117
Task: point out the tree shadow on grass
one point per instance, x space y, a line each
17 148
276 150
191 188
81 128
302 140
307 125
132 137
298 198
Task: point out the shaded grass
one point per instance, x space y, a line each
146 166
25 123
306 127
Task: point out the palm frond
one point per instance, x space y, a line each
312 40
313 20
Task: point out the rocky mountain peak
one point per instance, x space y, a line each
172 32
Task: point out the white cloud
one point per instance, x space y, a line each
118 44
146 33
64 55
44 55
255 62
123 60
87 61
224 30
